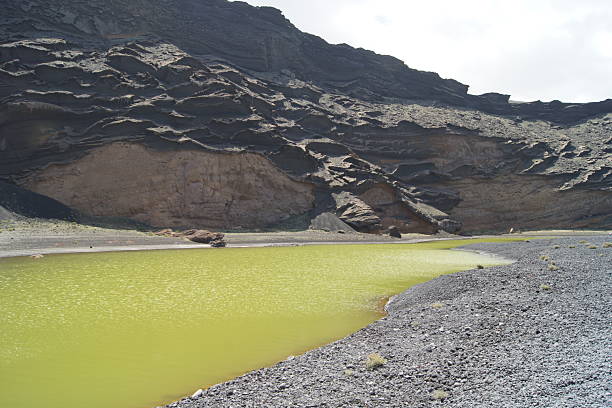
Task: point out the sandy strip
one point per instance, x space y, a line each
46 238
156 247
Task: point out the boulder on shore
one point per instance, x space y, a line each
394 232
204 236
215 239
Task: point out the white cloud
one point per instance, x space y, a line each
544 49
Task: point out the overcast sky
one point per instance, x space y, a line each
530 49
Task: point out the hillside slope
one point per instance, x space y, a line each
219 114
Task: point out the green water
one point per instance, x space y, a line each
140 329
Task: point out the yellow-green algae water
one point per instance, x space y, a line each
140 329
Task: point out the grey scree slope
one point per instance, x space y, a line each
500 340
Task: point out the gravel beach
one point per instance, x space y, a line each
535 333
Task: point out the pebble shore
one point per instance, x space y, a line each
536 333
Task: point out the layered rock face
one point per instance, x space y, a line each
185 187
218 114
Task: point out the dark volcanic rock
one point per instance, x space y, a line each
294 126
268 44
356 213
220 243
16 200
394 232
204 237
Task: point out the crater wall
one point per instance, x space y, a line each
175 188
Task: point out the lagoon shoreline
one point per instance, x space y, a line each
516 335
43 237
28 237
509 336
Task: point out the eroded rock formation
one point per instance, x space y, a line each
218 114
175 187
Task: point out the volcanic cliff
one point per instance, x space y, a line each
223 115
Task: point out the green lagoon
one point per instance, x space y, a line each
141 329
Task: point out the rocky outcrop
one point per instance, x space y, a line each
262 40
169 188
331 223
217 114
356 213
528 203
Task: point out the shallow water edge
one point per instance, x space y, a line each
337 291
